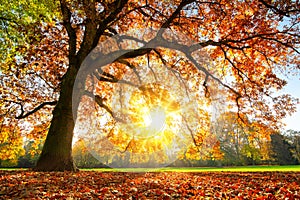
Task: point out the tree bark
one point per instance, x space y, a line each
57 151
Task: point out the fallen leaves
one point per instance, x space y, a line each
150 185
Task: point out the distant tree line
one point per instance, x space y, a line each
280 149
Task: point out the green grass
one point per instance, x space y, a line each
265 168
287 168
238 169
12 168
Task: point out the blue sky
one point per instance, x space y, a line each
293 88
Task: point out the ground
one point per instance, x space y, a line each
23 184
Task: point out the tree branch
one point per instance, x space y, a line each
9 20
160 41
279 11
102 26
66 13
100 101
22 115
192 134
132 67
106 77
167 23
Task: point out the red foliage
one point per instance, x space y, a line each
168 185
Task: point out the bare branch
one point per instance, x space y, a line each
22 115
128 145
100 101
278 10
128 64
135 53
8 20
151 69
192 134
175 14
229 42
106 77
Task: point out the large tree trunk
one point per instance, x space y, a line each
57 151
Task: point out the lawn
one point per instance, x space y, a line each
255 182
264 168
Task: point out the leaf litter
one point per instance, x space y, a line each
21 184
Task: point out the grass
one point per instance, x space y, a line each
286 168
258 168
12 168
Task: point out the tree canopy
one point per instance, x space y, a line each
248 43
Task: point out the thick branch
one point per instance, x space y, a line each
102 26
120 4
66 13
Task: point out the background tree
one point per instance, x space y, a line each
249 42
242 141
281 150
293 138
10 145
83 158
32 152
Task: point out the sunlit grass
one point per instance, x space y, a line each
258 168
13 169
287 168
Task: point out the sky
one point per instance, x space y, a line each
293 88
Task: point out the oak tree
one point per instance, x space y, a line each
248 42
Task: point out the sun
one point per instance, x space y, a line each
151 109
154 121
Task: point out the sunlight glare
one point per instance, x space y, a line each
154 120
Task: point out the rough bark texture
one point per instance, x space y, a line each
57 150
